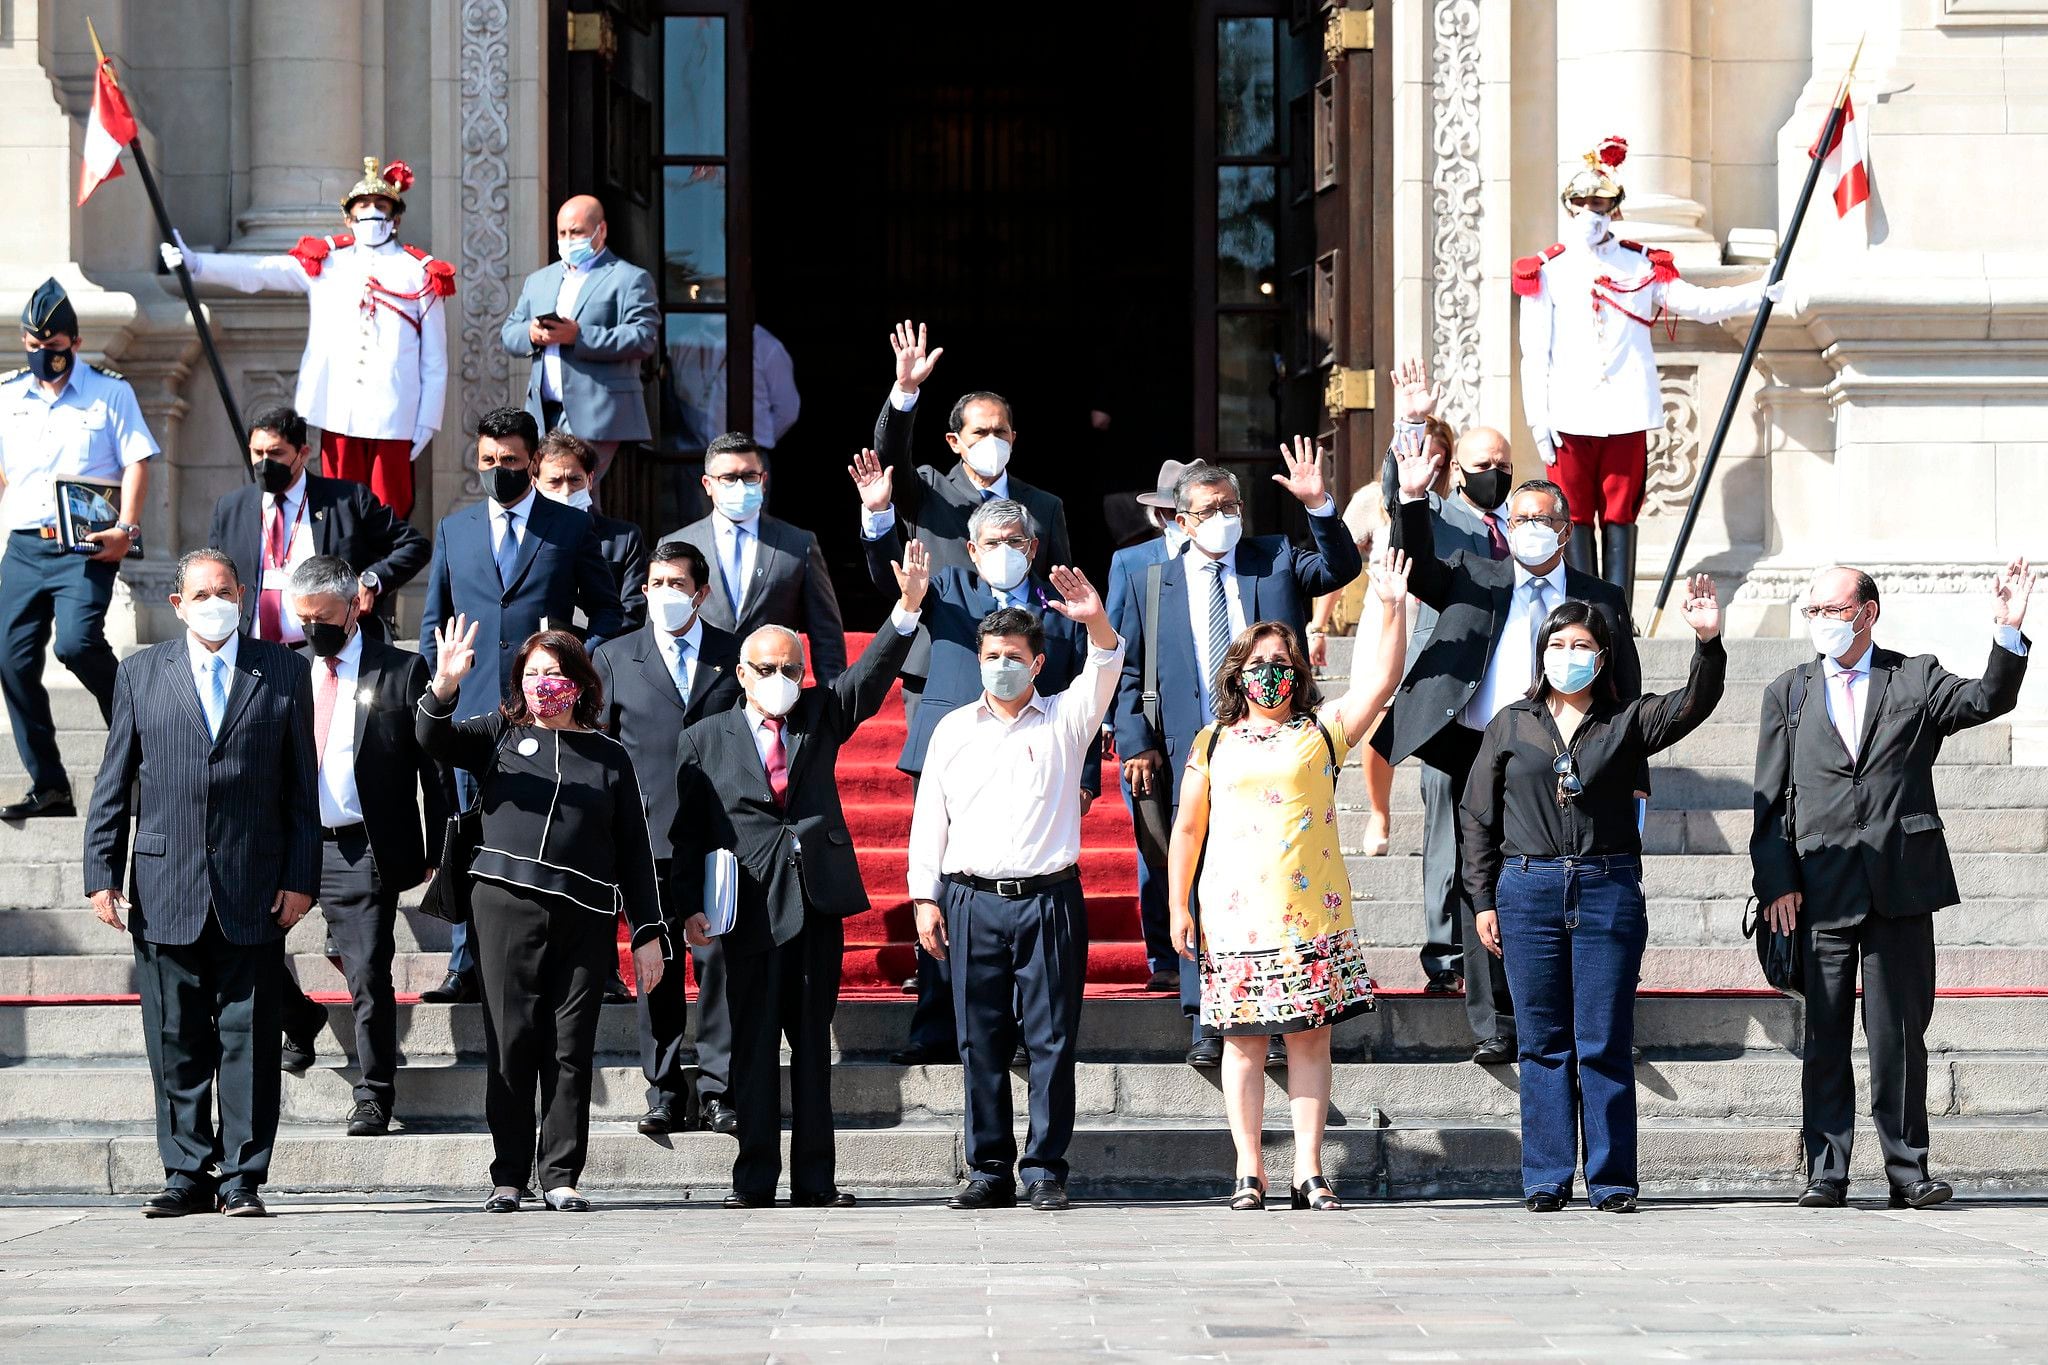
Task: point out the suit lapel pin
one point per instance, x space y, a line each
366 697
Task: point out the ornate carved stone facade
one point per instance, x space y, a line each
1674 462
486 141
1455 184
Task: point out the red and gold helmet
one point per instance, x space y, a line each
1596 179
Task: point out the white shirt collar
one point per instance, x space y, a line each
351 654
290 495
1860 668
1555 578
693 637
201 657
1039 702
523 509
752 525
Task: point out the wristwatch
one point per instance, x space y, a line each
369 579
127 528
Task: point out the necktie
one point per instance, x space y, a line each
1496 543
325 692
777 760
270 601
735 590
216 695
1845 713
679 667
1539 608
508 550
1219 618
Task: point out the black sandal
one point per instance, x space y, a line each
1249 1197
1315 1193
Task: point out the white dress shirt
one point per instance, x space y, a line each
297 550
500 515
1854 679
1199 572
1514 663
200 659
1002 798
339 802
690 644
571 287
875 525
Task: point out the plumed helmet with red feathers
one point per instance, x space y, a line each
1595 180
390 183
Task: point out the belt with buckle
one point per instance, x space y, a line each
46 532
336 831
1016 888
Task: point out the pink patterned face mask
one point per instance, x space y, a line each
549 697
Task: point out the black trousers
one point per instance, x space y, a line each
1897 957
664 1014
1019 965
791 992
362 919
210 1025
543 963
1489 1005
42 584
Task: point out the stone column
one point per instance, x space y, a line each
305 119
1627 70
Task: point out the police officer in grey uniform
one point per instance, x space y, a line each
60 419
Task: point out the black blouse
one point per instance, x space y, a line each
1511 808
561 812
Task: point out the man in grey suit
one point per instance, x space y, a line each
764 571
587 321
210 750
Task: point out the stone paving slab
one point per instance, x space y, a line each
907 1281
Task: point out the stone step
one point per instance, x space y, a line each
1727 831
1121 1160
1958 786
54 931
1403 1027
73 1097
72 708
1704 876
81 751
1678 922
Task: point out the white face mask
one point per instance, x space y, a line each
988 457
580 499
1003 568
1591 227
1532 542
373 229
212 619
775 694
1831 637
1219 535
670 611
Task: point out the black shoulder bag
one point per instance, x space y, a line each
447 896
1781 955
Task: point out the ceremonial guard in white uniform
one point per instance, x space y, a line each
1589 370
60 419
375 371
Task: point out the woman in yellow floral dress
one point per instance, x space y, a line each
1255 841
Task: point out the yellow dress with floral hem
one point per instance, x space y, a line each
1279 952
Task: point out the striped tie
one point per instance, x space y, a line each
217 698
1219 616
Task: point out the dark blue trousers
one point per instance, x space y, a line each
1018 966
41 585
1572 936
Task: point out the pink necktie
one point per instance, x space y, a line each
778 760
326 690
1851 735
270 601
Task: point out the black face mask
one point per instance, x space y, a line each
49 366
1487 488
506 485
275 476
326 640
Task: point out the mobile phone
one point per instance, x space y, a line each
549 318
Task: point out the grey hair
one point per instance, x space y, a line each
1203 476
325 576
208 555
1549 490
785 632
1001 512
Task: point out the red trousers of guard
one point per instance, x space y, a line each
384 464
1603 475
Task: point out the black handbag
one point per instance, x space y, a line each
1778 954
447 896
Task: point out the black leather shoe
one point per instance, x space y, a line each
1165 981
1047 1196
615 992
1494 1052
823 1199
1020 1057
910 984
924 1056
1276 1051
369 1119
243 1204
1921 1194
457 988
296 1056
175 1201
1824 1194
737 1200
719 1117
502 1203
567 1201
1444 983
1618 1202
660 1118
985 1193
34 804
1543 1201
1206 1053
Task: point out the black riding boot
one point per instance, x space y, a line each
1618 556
1580 552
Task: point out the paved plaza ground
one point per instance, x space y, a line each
911 1281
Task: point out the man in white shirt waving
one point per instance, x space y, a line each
995 844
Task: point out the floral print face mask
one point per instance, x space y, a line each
549 697
1268 685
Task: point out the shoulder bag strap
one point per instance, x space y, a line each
1148 699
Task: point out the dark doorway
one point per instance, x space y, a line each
1016 178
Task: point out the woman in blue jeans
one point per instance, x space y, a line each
1553 863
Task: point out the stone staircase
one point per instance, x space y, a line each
1410 1117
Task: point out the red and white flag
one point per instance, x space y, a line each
1845 163
110 128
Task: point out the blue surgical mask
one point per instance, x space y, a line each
1571 671
736 501
577 252
1006 679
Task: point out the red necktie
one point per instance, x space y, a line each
778 760
270 601
1496 543
325 692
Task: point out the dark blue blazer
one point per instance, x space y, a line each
561 567
221 825
1275 582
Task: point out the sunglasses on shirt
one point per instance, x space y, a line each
1568 785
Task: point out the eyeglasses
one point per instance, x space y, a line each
1568 785
750 478
793 672
1842 612
1514 522
1018 543
1228 509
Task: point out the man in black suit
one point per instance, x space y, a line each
210 750
764 571
670 674
372 844
508 564
566 467
759 780
287 516
1481 656
1848 852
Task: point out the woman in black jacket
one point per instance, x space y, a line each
1553 863
564 849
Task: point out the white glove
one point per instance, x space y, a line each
1774 292
1546 444
175 256
420 437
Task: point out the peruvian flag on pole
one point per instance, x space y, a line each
110 129
1845 162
